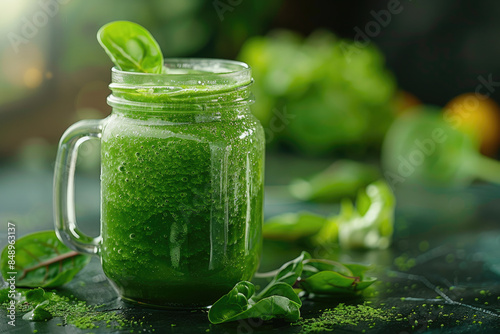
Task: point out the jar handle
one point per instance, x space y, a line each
64 186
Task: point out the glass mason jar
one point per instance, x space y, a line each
182 174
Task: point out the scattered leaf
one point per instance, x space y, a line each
289 272
340 279
241 303
43 261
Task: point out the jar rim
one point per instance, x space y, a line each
189 83
183 70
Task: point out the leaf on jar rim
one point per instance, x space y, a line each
131 47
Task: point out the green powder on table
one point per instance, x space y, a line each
72 311
343 315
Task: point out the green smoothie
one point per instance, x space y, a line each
182 188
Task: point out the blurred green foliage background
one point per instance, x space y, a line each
54 71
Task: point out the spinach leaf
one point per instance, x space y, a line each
131 47
241 303
277 300
233 303
313 266
280 300
333 283
317 278
288 273
280 289
42 261
293 226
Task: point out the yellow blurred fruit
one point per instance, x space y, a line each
478 116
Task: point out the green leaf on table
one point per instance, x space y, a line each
288 273
313 266
131 47
369 225
339 279
241 303
293 226
232 304
41 260
279 299
280 289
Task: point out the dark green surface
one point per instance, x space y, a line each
454 238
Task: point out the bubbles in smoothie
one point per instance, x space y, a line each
132 235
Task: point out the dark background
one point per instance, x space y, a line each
436 49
